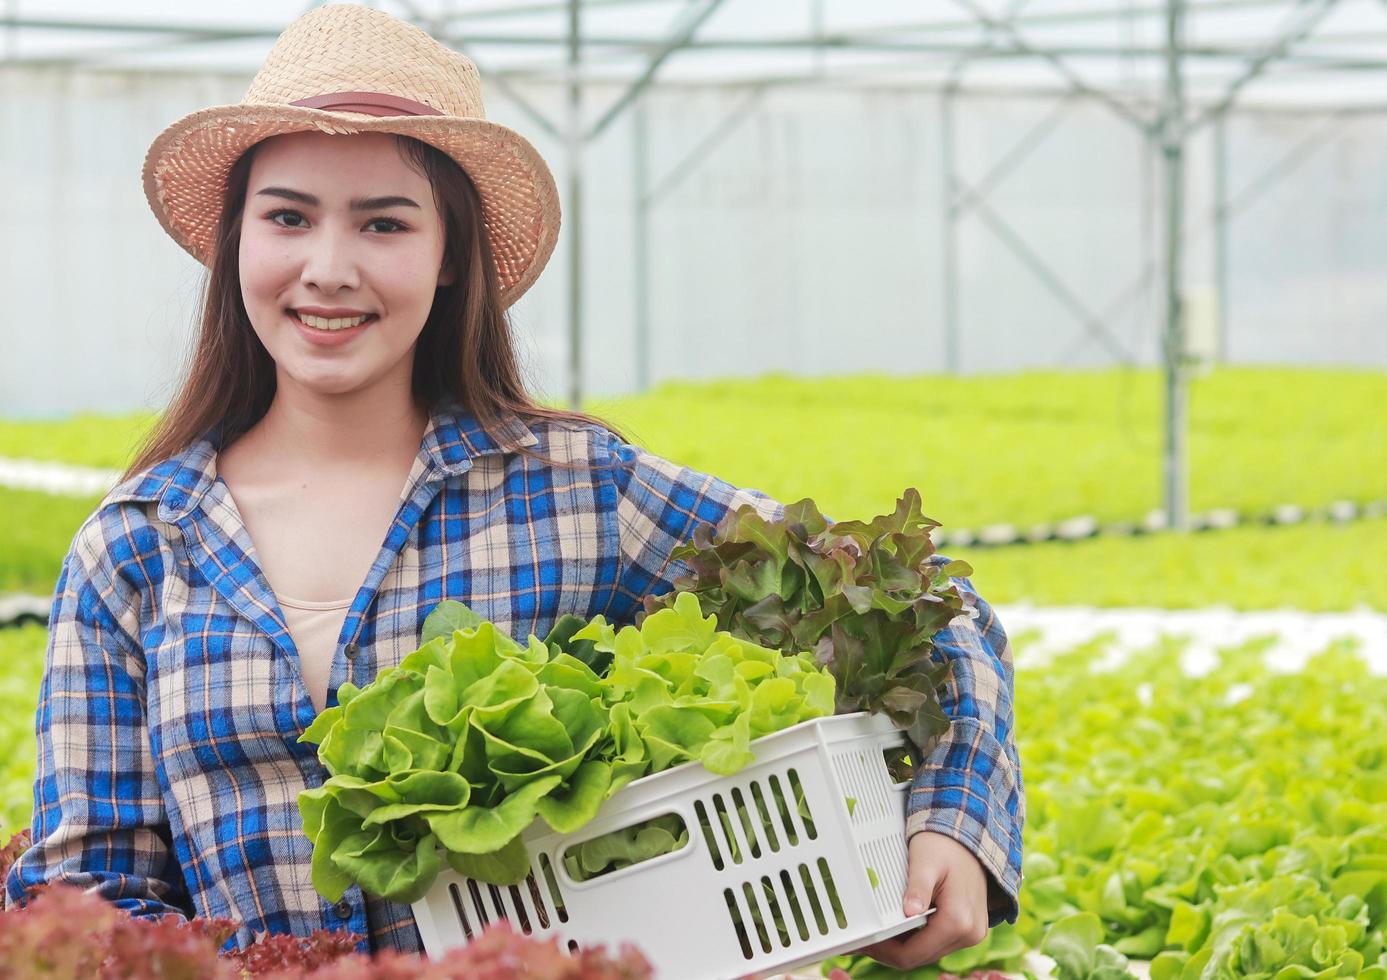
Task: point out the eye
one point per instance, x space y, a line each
285 212
395 225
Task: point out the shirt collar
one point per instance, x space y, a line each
452 440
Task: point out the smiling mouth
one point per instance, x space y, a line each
331 324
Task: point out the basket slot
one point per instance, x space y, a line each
782 807
787 886
889 864
738 922
554 893
478 906
521 912
778 917
831 890
758 917
850 768
802 806
747 820
461 910
736 849
811 892
702 812
497 902
537 901
767 825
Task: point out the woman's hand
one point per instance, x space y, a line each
945 875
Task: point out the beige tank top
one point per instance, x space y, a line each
315 627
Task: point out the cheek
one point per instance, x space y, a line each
264 268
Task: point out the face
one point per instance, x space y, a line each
337 229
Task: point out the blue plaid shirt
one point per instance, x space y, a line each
169 765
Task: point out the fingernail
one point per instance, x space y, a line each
914 905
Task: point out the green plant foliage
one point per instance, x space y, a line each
864 596
36 530
84 439
1229 825
1027 447
1245 568
21 651
455 752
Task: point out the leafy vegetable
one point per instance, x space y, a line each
454 753
867 598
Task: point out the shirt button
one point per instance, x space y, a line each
343 910
351 650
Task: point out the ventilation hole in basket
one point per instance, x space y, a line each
537 901
767 825
786 821
463 921
792 897
708 838
651 838
802 805
497 902
554 892
519 905
782 927
478 906
734 849
812 893
899 766
832 889
757 917
748 824
573 945
737 922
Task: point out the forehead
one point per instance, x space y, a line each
358 161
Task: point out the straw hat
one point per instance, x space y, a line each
342 68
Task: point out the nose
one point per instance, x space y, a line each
331 262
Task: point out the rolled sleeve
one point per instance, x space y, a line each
99 821
969 786
659 503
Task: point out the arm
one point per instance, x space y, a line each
969 787
99 820
658 505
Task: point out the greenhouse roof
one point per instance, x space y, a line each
1265 52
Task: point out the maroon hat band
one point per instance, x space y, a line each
369 103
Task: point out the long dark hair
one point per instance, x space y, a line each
464 353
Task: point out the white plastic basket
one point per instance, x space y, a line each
718 907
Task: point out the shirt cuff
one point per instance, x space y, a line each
978 806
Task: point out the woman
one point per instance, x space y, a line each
353 443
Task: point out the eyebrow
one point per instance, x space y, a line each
356 203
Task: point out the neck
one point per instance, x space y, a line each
324 432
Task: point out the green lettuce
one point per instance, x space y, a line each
866 597
451 755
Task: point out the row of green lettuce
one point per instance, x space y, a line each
1020 448
1313 567
1229 825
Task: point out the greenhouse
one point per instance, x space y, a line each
1068 312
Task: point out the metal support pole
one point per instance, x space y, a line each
574 155
1176 390
949 225
642 245
1221 233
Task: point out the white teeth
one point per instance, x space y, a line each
332 323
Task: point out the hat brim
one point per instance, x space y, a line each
186 167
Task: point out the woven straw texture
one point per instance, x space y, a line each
347 48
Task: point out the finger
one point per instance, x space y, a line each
922 877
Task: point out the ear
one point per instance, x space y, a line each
445 275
